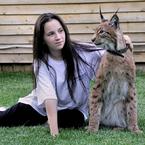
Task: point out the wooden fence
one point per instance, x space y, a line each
17 18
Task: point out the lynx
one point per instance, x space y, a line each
113 102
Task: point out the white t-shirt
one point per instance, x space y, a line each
47 88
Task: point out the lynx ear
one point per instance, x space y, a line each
114 22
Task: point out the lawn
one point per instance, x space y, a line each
15 85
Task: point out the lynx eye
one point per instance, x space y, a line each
110 24
101 31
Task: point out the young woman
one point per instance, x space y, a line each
63 70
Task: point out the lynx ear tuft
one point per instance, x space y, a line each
101 16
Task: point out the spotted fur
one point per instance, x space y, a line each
113 100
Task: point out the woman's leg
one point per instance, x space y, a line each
70 118
21 114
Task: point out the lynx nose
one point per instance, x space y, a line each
93 38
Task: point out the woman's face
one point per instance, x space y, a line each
54 36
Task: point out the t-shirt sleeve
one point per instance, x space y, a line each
93 58
44 88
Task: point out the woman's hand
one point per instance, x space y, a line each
128 41
51 109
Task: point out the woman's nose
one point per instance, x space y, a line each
57 36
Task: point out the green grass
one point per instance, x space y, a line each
15 85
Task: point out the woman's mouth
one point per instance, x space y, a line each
59 43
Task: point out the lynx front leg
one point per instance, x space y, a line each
95 108
132 110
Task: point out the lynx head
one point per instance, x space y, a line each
109 35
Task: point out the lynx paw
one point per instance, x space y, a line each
135 130
92 129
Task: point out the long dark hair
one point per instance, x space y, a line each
69 53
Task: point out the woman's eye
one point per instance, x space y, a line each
50 34
61 30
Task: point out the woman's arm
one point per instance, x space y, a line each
51 109
46 97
